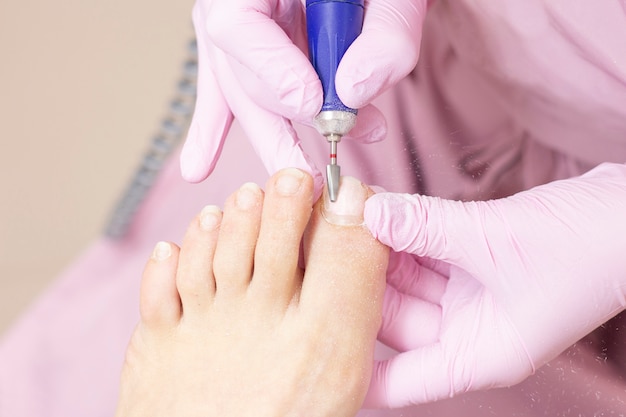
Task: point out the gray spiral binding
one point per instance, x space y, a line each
173 127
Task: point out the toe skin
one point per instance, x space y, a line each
342 293
348 263
286 211
159 299
234 257
195 280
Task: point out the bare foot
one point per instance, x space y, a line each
230 326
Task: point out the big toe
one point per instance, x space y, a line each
348 263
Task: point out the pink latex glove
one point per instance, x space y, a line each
528 276
253 65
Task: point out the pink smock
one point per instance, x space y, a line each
507 95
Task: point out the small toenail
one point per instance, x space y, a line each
248 196
348 209
210 217
162 251
289 181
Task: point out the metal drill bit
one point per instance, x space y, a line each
333 170
333 125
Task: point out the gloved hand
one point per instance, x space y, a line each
253 65
528 276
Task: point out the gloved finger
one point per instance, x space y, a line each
211 120
429 226
273 137
415 377
440 267
210 124
370 127
385 52
446 368
248 31
407 275
408 322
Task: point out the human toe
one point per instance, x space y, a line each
239 230
348 262
159 298
286 212
195 280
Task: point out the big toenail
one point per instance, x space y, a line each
289 181
210 217
348 209
248 196
162 251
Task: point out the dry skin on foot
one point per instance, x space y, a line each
231 326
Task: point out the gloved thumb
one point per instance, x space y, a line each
425 226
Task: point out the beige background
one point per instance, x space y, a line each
83 85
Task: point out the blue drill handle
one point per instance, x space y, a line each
332 26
